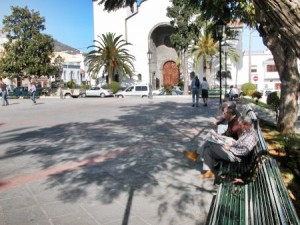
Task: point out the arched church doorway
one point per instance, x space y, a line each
170 73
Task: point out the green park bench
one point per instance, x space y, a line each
213 92
262 198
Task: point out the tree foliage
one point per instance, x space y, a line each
110 54
111 5
27 51
185 22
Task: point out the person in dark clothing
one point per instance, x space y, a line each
195 88
232 115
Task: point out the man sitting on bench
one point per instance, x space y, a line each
212 152
231 115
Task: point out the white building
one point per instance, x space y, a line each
73 67
259 68
147 28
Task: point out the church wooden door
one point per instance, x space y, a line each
170 73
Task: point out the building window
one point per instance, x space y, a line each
271 68
139 77
253 69
64 75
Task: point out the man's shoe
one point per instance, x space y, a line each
207 175
191 155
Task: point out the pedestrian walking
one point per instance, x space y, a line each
4 91
32 90
195 88
204 91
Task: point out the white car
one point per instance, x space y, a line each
157 91
135 90
100 92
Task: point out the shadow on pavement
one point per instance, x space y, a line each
140 151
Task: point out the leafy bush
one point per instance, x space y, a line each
181 85
291 146
168 89
256 94
71 84
85 86
114 86
274 100
248 88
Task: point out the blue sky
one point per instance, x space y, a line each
68 21
71 21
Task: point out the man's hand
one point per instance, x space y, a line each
227 147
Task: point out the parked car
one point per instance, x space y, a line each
46 91
19 92
157 91
100 92
135 90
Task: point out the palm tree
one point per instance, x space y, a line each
110 55
205 49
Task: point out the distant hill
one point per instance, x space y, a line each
60 47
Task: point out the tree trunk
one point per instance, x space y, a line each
286 62
283 16
207 72
285 58
185 72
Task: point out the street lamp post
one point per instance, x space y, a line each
149 54
220 30
225 47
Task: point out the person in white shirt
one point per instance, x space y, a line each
204 92
233 93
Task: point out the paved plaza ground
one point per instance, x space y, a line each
109 161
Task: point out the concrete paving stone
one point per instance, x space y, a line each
17 192
81 218
161 211
104 213
25 216
17 202
61 208
131 220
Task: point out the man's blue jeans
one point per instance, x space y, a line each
32 97
4 98
195 96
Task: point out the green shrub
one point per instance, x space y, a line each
256 94
292 149
114 86
181 85
248 88
71 84
273 99
168 89
85 86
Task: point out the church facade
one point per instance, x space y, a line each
148 29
